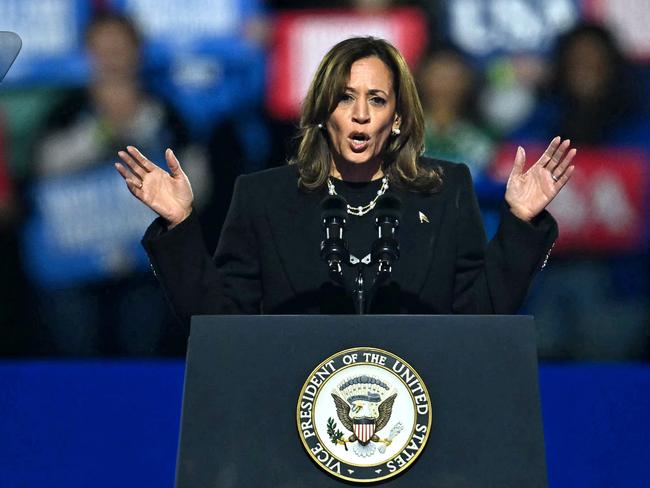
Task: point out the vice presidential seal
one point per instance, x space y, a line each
364 414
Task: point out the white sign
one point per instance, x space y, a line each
484 27
629 19
47 27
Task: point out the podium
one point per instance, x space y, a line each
245 374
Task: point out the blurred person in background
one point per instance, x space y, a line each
591 304
115 106
448 88
117 309
592 96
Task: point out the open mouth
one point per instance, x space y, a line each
359 141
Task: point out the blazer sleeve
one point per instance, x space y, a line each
195 283
494 278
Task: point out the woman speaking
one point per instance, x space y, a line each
361 137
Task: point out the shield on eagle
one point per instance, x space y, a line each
364 429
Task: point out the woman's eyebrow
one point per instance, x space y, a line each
372 91
376 91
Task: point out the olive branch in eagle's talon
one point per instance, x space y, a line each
336 436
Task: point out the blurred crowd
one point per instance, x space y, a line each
75 283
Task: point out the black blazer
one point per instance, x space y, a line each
267 260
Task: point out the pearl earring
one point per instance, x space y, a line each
396 131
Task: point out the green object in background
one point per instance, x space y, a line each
24 112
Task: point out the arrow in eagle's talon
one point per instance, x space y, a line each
386 442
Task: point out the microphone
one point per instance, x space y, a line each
334 249
385 249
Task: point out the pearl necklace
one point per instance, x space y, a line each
361 209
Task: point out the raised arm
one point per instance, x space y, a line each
494 277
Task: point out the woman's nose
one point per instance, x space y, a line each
361 114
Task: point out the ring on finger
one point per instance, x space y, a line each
555 178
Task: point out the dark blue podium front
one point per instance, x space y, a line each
244 375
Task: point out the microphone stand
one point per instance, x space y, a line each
385 250
381 277
359 293
362 299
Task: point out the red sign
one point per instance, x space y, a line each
604 207
302 38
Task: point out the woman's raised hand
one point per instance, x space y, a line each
529 193
167 194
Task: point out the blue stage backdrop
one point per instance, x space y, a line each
106 424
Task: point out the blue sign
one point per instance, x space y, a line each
190 23
85 227
52 33
198 56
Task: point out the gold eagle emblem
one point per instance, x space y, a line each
364 406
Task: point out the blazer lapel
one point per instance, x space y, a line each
297 233
417 236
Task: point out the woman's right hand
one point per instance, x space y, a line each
168 194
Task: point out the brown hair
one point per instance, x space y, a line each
399 158
104 17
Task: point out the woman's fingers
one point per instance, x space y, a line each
135 168
520 160
172 163
134 184
562 180
558 171
143 162
558 155
556 160
550 150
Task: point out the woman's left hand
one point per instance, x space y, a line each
529 193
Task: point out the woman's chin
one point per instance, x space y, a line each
358 158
